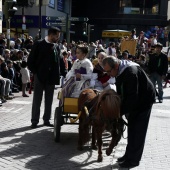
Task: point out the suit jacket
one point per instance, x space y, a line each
135 89
44 62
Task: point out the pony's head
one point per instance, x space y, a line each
108 105
85 96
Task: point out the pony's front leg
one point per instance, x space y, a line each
93 145
99 144
80 142
110 148
112 144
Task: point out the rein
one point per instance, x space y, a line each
117 123
91 104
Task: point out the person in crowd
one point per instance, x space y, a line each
101 80
167 79
133 34
79 76
158 67
154 40
125 55
111 50
7 54
29 45
2 46
14 87
141 42
63 45
65 64
92 51
142 62
12 45
25 77
18 43
5 85
43 61
137 94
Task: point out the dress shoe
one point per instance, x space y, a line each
128 164
160 101
3 100
25 95
121 159
34 125
48 124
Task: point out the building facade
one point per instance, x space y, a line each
122 14
31 24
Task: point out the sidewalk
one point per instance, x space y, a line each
24 148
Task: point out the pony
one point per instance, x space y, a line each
102 113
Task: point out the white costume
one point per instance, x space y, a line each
113 51
86 75
25 75
96 84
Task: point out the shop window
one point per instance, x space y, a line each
139 7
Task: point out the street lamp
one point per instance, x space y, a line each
10 10
40 21
23 4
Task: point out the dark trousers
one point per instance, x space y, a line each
39 88
137 129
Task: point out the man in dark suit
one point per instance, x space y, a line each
137 94
158 67
43 62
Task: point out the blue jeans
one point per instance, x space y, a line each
155 77
5 89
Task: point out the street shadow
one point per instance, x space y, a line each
166 97
38 150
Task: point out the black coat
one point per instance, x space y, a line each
136 90
63 70
44 62
158 63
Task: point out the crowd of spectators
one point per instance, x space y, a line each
15 77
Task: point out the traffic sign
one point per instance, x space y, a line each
55 18
23 26
53 24
84 19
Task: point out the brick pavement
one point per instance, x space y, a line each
24 148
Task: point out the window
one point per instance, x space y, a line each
139 7
51 3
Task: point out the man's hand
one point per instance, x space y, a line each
163 77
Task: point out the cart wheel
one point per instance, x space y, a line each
57 123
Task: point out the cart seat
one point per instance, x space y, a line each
71 105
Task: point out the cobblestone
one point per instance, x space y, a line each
24 148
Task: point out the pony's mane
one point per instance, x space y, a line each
109 102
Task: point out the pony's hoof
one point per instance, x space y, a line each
100 159
108 152
80 148
94 147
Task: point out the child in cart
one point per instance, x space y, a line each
79 76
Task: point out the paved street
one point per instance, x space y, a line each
24 148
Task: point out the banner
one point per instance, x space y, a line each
129 45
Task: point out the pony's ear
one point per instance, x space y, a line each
96 91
